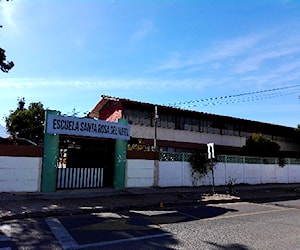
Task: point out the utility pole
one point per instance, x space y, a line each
156 160
155 128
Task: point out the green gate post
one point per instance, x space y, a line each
49 158
120 160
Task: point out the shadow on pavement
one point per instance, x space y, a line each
228 246
135 225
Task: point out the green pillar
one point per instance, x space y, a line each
50 154
120 161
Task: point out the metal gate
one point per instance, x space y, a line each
75 178
84 163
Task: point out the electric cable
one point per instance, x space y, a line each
238 98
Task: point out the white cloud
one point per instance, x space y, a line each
288 67
231 48
258 61
103 84
253 62
146 28
174 62
220 50
9 13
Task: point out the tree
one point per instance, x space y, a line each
258 145
201 166
27 123
5 66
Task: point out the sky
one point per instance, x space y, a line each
233 58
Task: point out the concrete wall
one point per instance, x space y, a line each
20 168
140 173
179 174
175 174
20 174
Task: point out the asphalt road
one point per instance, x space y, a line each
221 226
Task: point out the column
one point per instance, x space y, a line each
120 161
50 155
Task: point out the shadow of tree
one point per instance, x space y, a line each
229 246
134 225
27 234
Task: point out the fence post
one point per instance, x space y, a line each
120 160
50 154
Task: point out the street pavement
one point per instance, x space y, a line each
75 202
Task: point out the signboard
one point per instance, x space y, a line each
67 125
210 150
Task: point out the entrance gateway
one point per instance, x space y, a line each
56 124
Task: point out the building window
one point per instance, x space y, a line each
195 125
171 121
128 114
179 122
136 117
228 129
206 126
145 118
163 121
203 126
188 124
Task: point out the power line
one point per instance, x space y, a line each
237 98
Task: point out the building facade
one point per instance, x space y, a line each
177 130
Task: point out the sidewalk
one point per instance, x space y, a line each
71 202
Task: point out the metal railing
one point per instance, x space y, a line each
78 178
185 157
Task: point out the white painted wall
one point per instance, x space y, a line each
20 174
171 174
23 174
140 173
179 174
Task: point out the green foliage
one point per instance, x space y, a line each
200 164
27 123
281 162
258 145
4 65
